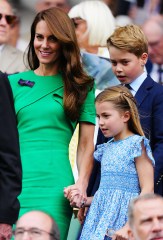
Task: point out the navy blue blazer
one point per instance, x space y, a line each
149 99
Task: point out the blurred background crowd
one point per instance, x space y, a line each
125 11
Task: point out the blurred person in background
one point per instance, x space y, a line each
119 7
11 59
36 225
90 18
140 10
145 215
45 4
153 29
120 10
15 38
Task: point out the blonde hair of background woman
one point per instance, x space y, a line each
99 18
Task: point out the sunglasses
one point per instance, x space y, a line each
10 19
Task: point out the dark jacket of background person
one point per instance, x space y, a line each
10 164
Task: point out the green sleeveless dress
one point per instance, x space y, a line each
44 134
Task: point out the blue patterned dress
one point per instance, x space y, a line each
119 184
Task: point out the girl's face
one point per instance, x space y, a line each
47 47
125 65
112 122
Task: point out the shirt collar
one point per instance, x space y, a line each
138 82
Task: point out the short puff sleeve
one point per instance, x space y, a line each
87 111
99 152
137 149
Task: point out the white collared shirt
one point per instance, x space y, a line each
137 83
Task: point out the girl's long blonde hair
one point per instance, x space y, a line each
123 101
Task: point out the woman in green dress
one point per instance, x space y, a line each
50 100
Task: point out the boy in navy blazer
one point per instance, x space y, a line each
128 48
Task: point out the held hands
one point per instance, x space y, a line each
5 231
76 194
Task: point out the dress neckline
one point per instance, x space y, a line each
50 76
123 138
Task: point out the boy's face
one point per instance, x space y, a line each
125 65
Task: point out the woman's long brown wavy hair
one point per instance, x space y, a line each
76 82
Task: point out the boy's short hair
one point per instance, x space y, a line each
129 38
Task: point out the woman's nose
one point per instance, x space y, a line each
45 43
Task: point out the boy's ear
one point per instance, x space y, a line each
144 58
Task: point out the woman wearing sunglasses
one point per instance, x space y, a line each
11 59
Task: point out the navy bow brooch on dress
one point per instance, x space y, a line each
26 83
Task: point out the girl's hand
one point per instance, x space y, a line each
82 214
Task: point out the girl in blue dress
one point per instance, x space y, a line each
127 165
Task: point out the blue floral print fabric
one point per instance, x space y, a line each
119 184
